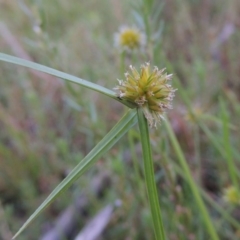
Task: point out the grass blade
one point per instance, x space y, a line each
150 177
65 76
127 121
185 167
210 201
228 149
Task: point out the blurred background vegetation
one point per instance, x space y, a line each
48 126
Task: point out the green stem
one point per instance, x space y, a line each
228 150
185 167
122 63
209 200
197 153
149 177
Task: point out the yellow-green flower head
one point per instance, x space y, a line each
129 38
231 195
149 90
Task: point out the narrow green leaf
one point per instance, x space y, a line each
128 120
150 177
232 168
202 208
217 142
65 76
209 200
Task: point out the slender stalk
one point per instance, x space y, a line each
197 152
149 177
194 188
122 62
225 214
228 150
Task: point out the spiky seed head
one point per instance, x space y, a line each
149 89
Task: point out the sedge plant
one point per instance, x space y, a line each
146 107
148 94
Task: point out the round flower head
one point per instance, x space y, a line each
149 89
129 38
231 195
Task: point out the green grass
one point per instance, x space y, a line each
48 125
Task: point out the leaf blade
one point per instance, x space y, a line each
195 190
127 121
63 75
